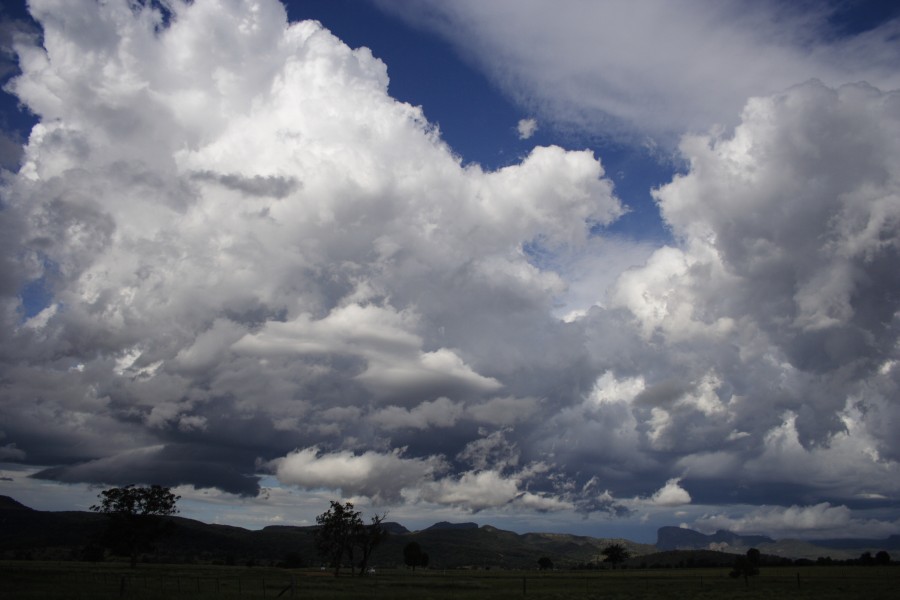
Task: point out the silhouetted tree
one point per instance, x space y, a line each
367 538
335 534
866 559
746 566
882 558
341 533
615 554
136 516
753 556
413 556
545 563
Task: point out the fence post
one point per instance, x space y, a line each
122 587
524 591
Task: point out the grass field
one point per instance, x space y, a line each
37 580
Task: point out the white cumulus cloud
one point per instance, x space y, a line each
821 520
381 477
671 494
254 255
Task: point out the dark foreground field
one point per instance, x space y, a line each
37 580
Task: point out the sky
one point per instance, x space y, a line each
574 267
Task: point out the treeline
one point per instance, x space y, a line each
866 559
705 559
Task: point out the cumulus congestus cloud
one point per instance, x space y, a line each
779 301
253 249
259 263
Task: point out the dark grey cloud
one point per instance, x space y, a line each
203 466
258 185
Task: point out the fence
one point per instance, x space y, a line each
72 581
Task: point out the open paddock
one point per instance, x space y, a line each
29 580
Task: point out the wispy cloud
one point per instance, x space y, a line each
658 69
527 128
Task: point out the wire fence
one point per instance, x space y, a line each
49 582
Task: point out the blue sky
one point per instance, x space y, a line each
585 267
475 117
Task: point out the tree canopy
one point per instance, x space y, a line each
137 501
135 516
746 566
615 554
341 533
413 556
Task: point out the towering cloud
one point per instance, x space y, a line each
250 246
779 307
256 263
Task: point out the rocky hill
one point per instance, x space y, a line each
680 538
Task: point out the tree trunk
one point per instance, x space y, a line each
337 563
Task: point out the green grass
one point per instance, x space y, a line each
40 580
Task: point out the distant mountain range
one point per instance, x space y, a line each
29 533
66 535
680 538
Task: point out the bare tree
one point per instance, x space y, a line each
367 538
